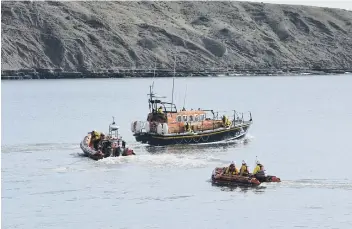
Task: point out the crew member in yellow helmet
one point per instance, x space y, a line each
160 110
231 170
259 169
244 169
95 139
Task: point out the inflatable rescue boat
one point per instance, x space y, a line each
110 146
223 179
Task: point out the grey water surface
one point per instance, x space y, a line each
301 133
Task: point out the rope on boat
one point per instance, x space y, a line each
184 140
178 142
194 139
206 138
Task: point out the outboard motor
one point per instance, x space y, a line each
118 151
109 151
260 175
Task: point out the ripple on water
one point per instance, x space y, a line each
63 191
30 148
317 183
166 160
165 198
185 156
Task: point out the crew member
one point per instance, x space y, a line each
231 170
259 169
226 121
101 138
188 127
95 139
244 169
160 110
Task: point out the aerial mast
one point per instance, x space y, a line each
173 83
152 87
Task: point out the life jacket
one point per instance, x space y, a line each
226 121
96 136
188 127
235 172
257 169
261 171
160 110
244 170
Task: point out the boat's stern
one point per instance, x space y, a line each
254 181
274 179
139 130
143 130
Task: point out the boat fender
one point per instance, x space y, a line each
159 129
138 127
147 127
133 126
165 128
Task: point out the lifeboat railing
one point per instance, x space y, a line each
234 117
237 117
154 102
169 107
237 120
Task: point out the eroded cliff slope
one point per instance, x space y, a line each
78 36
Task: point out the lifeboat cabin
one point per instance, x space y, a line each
165 125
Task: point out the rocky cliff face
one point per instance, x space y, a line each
78 36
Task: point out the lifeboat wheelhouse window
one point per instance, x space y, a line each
185 118
196 118
179 118
191 118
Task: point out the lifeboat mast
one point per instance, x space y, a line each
153 101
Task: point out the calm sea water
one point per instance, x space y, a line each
301 133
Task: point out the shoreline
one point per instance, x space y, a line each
27 74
